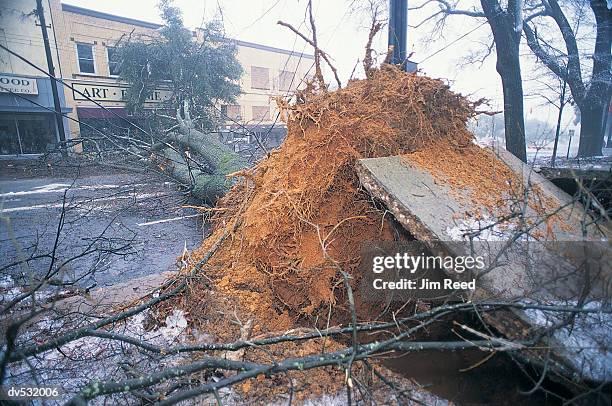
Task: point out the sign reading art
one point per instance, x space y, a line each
16 84
113 93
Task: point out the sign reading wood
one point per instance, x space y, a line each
113 93
16 84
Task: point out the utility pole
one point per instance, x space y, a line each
56 102
398 29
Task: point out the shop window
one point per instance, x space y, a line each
285 80
26 133
86 58
261 113
36 132
113 63
260 78
9 140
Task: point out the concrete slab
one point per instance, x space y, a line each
431 212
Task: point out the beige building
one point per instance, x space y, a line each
27 119
82 42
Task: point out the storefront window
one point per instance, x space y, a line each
35 132
26 133
9 141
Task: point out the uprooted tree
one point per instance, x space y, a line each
272 303
196 76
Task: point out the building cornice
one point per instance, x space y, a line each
106 16
271 49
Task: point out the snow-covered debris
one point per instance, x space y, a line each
588 340
6 281
176 323
10 294
88 359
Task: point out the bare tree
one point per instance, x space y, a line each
554 92
593 95
506 26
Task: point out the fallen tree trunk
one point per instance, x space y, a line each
201 161
204 186
195 160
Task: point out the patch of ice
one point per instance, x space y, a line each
485 229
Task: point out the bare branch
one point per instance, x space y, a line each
317 51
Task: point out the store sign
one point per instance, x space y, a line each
16 84
112 93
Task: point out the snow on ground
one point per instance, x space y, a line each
85 206
588 341
542 151
88 359
48 188
6 281
61 188
9 290
485 229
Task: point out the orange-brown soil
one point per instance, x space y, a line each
302 214
298 217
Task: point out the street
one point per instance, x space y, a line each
115 227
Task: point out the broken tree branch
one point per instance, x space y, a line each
318 52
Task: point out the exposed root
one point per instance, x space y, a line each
303 217
318 53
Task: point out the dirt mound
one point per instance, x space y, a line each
300 213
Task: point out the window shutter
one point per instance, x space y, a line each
260 78
261 113
285 79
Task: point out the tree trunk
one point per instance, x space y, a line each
507 42
558 127
591 137
597 96
513 108
219 158
204 186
